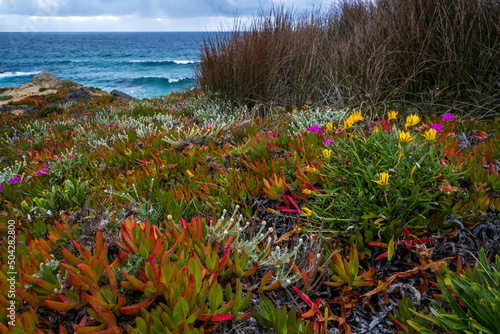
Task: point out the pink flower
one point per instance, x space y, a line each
15 180
328 140
110 124
314 128
337 131
209 125
42 172
438 127
447 117
1 187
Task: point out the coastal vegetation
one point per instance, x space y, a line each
184 214
420 54
331 174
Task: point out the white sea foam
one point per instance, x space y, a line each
17 74
179 62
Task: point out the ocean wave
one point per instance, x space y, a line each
160 79
8 74
178 62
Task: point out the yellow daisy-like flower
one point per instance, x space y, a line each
404 137
348 123
430 134
306 212
329 128
306 191
357 116
383 179
411 121
327 153
189 173
392 115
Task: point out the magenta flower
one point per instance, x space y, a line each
15 180
42 172
209 125
328 140
110 124
314 128
447 117
438 127
1 187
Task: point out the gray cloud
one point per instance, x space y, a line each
141 8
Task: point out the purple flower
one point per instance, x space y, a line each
1 187
175 108
314 128
438 127
15 138
15 180
209 125
447 117
328 140
42 172
110 124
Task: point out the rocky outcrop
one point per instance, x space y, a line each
125 97
44 77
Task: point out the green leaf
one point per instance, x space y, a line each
390 250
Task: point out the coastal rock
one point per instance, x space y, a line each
125 97
44 77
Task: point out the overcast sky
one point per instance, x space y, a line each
132 15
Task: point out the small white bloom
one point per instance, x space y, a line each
416 163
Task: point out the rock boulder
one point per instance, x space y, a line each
44 77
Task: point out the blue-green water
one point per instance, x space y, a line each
142 64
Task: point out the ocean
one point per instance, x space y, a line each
141 64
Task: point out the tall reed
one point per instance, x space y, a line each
439 53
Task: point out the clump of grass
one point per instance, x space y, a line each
435 53
5 97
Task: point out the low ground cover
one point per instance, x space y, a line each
182 214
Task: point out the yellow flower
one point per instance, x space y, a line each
348 123
306 212
329 128
357 116
404 137
430 134
411 121
189 174
392 115
306 191
311 169
327 153
383 179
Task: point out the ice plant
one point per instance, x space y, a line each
110 124
392 115
189 173
42 172
430 134
327 153
15 180
404 137
411 121
447 117
306 212
436 126
383 179
1 187
306 191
